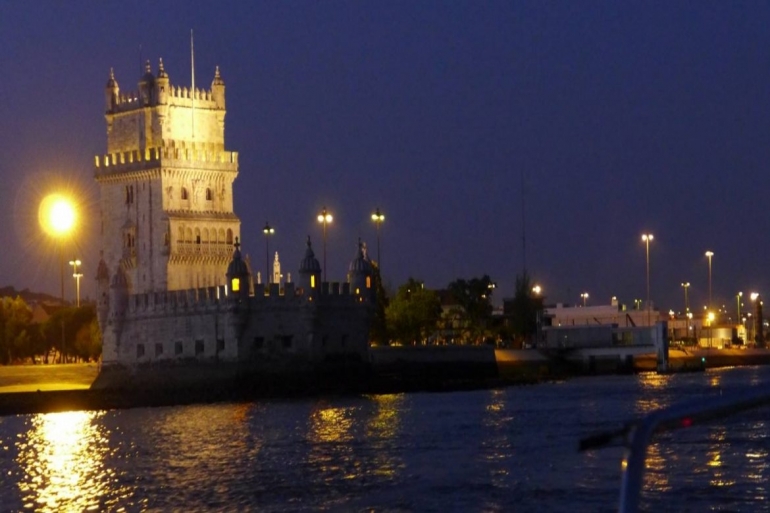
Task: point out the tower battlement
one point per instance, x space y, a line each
178 96
124 161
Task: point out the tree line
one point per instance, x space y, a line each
69 334
460 314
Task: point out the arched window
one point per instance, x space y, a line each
221 238
205 235
197 236
208 194
229 236
181 235
188 235
184 193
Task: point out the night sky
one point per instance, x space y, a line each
606 119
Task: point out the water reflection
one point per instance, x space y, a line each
62 457
381 430
496 447
651 383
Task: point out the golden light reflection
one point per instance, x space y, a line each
383 427
649 402
331 425
331 452
63 462
656 476
386 422
497 449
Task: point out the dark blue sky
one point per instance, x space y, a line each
623 117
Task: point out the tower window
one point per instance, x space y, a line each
184 193
208 194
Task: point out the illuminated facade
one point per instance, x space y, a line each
171 281
166 185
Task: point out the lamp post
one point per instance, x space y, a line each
709 255
686 286
57 216
584 295
75 263
738 297
646 238
759 329
324 218
378 217
268 231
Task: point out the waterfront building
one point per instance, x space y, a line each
613 313
172 283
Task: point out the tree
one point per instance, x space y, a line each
15 319
413 315
474 298
525 308
71 320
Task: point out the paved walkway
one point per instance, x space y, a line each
31 378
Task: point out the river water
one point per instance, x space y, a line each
512 449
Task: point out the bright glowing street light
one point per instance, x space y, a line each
378 217
738 297
324 218
537 289
57 217
75 263
709 255
584 295
647 238
268 231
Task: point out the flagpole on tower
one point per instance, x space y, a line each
192 92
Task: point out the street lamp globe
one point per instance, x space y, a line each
57 215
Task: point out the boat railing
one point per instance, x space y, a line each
637 435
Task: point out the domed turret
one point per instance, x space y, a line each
147 84
309 270
111 92
238 274
360 272
218 89
161 84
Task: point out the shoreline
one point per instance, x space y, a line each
184 385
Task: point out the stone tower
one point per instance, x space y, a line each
166 185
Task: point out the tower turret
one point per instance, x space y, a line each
161 85
309 271
360 273
147 85
111 92
238 274
218 90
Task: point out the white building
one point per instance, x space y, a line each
172 283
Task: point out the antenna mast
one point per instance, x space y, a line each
192 92
523 224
